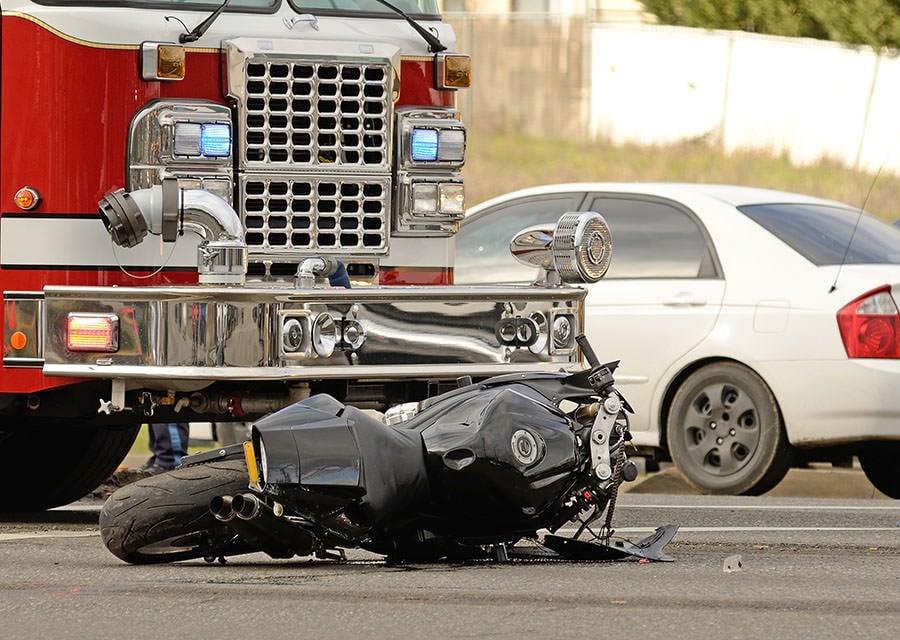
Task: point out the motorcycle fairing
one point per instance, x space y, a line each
330 449
500 460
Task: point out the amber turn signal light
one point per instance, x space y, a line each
27 198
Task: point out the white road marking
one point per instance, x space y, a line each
570 530
895 506
4 537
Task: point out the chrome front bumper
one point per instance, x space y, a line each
171 334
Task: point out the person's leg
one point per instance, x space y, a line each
178 436
153 443
161 443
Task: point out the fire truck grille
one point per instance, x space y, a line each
307 113
321 214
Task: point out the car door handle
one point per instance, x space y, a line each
684 299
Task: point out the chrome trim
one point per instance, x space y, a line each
164 375
23 311
24 363
151 157
298 215
406 220
220 333
315 145
409 118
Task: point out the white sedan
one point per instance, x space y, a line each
756 329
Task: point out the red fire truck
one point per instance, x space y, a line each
177 182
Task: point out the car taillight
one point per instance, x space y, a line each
870 325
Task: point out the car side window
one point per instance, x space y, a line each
482 244
654 239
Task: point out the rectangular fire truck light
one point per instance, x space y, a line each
425 198
452 145
187 139
162 61
453 198
424 145
215 140
454 71
92 332
170 62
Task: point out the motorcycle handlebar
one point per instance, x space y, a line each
587 350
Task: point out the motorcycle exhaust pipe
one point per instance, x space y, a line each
251 511
246 506
221 509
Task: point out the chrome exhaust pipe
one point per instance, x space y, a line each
252 533
252 512
221 509
246 506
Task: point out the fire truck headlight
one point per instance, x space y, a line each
438 199
210 139
437 145
424 145
215 140
430 138
293 335
189 140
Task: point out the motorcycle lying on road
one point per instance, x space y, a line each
473 474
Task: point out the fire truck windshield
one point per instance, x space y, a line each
411 7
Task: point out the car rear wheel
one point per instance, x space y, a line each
880 464
725 431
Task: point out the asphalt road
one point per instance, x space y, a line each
745 568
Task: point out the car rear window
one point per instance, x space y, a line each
828 235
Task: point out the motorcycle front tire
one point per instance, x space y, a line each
166 517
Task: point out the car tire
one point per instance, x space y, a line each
725 432
879 463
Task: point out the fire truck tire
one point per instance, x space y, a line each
165 518
53 465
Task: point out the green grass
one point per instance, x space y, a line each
498 163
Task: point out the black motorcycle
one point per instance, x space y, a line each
471 474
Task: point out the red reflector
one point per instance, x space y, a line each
870 325
92 332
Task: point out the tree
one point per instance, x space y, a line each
871 22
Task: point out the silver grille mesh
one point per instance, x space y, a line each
315 161
322 214
311 114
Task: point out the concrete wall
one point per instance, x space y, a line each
563 76
807 98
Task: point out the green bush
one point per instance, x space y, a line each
870 22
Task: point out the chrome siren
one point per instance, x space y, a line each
577 249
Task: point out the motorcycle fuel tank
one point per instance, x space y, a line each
503 455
